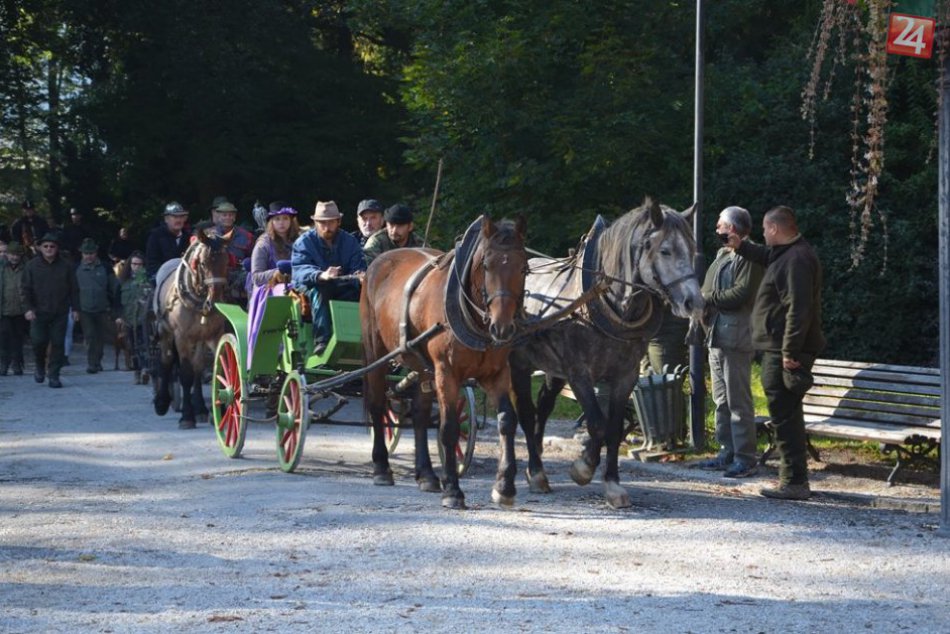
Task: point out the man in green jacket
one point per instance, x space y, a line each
786 327
12 323
397 234
98 302
49 288
729 290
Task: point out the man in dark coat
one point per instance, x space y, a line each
74 233
168 241
48 289
99 302
786 327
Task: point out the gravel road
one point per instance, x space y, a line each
113 520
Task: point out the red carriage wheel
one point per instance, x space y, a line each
293 419
227 397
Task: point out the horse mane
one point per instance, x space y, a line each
620 243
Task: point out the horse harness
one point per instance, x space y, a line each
188 289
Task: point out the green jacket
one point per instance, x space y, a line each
729 291
786 317
98 288
49 287
11 304
379 243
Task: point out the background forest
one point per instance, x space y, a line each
559 109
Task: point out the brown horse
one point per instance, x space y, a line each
470 298
186 324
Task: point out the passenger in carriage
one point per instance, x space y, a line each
320 256
399 233
369 215
168 241
273 248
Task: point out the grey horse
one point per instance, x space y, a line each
645 256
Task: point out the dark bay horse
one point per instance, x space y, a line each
187 325
473 330
646 256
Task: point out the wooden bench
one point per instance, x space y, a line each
894 405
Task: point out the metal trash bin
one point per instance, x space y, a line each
660 405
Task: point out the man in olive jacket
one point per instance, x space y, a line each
729 290
48 290
99 302
786 327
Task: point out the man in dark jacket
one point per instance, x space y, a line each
168 241
48 290
99 302
399 233
12 323
786 327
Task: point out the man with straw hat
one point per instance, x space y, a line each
320 257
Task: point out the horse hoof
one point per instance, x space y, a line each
186 424
500 499
538 483
383 479
161 406
455 502
429 484
617 497
581 472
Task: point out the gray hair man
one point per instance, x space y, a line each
729 290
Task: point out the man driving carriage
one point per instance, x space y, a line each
168 241
320 257
240 245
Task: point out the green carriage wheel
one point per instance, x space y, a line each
228 397
468 428
293 419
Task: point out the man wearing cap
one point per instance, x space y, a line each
167 241
397 234
319 257
12 324
29 227
98 302
47 291
240 244
370 219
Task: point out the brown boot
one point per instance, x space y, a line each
787 491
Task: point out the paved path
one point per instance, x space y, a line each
113 520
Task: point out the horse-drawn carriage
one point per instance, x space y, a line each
448 318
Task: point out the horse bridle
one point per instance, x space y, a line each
204 283
488 298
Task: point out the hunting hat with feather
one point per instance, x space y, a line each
49 237
326 211
222 204
88 246
14 248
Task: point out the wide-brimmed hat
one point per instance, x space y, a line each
175 209
280 208
221 203
370 204
88 246
326 211
15 248
398 215
48 237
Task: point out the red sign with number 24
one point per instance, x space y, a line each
910 35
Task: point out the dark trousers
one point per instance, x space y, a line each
320 306
49 329
95 328
788 420
13 329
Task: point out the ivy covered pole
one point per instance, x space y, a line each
697 400
943 222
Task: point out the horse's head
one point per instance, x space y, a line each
499 266
665 257
208 262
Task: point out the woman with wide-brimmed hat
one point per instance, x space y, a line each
272 249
